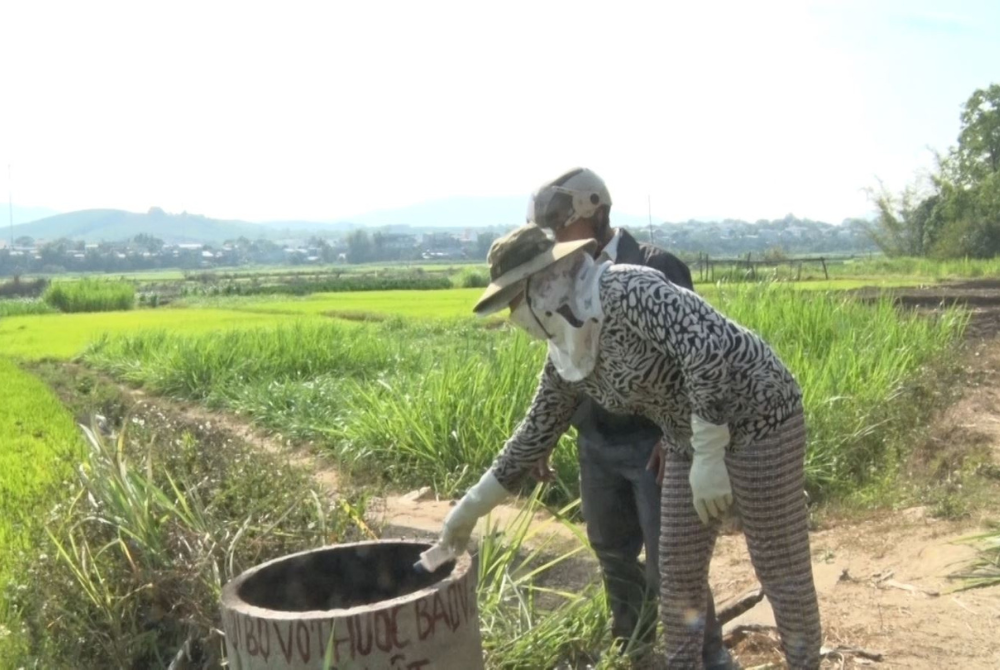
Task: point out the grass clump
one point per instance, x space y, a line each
525 619
985 570
90 295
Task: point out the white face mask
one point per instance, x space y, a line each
524 318
563 305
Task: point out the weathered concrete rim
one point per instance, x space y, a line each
231 600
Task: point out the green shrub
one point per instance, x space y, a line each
473 278
90 295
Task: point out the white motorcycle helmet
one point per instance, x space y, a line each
575 195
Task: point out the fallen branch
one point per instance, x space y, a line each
744 604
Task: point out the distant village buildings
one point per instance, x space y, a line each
388 245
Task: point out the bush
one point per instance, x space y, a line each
89 295
473 278
16 288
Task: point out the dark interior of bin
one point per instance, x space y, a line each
340 577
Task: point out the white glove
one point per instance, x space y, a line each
709 478
476 503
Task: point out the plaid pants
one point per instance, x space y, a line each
767 477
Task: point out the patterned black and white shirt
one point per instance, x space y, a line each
664 353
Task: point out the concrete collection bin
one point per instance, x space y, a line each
357 606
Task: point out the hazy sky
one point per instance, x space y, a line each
321 110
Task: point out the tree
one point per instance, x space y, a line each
24 241
54 252
961 215
900 227
378 246
483 243
359 246
148 243
969 182
323 248
971 219
979 140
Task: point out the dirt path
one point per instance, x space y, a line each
883 587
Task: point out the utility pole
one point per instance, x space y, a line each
10 205
649 205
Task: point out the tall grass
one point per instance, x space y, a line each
90 295
422 402
855 363
446 423
156 523
524 623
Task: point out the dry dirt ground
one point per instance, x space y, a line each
882 581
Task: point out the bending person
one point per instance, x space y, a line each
730 411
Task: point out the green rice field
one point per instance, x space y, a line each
66 335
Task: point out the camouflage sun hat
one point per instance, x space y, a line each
515 257
573 195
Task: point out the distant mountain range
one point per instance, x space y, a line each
496 214
111 225
96 225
